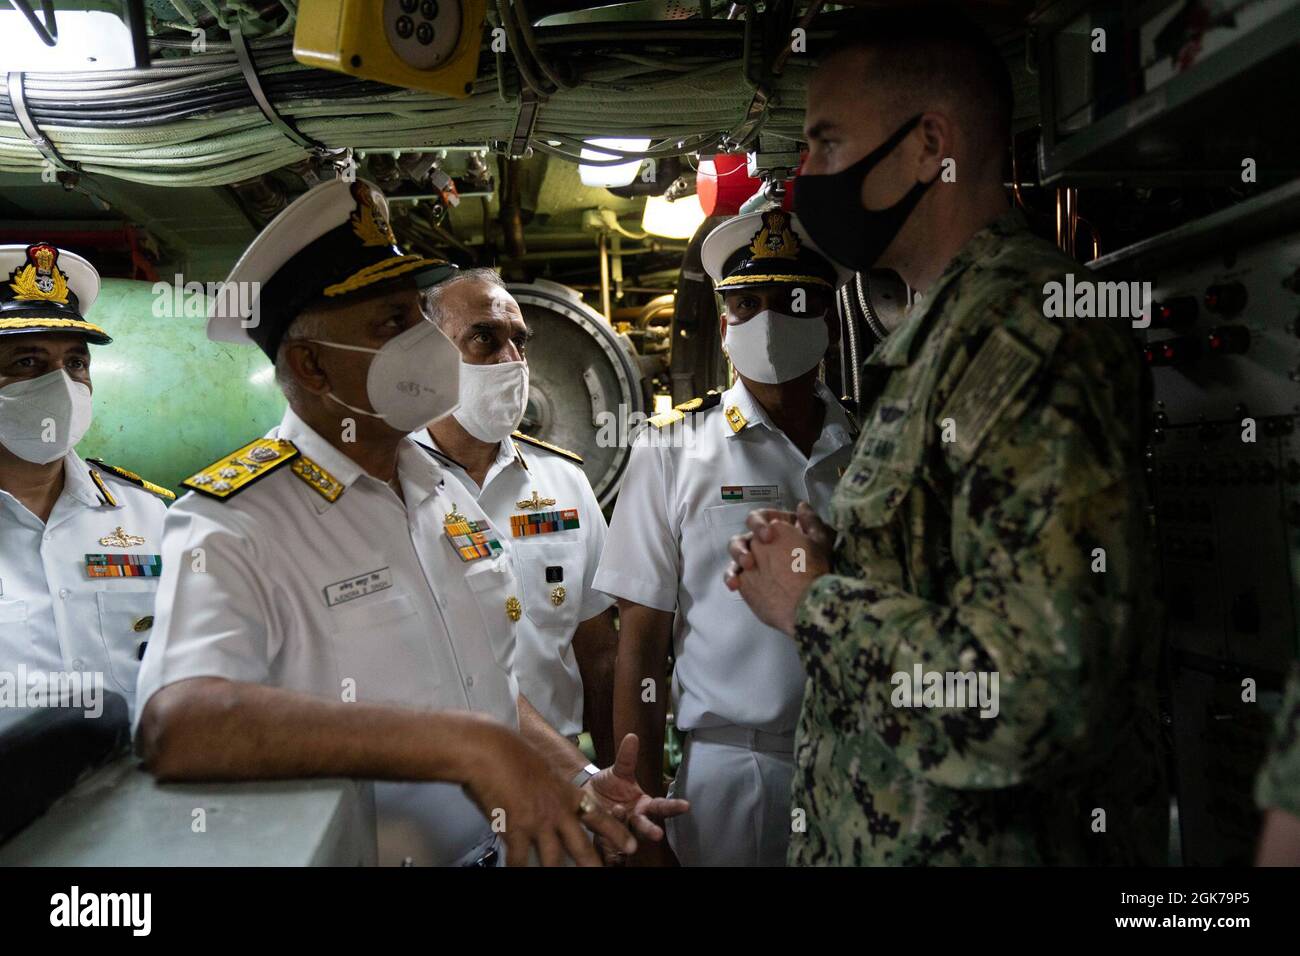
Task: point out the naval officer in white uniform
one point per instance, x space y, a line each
539 497
332 602
776 437
79 541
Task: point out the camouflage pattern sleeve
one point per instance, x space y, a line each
1012 508
1279 780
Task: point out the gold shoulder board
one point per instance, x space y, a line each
317 478
132 478
562 452
225 477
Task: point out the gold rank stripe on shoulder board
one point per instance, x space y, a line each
317 478
562 452
664 419
129 476
235 472
679 412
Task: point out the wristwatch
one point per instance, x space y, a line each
585 774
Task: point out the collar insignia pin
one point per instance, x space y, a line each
735 418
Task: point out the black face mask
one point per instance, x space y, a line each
830 208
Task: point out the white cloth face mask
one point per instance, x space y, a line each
413 379
492 399
42 419
773 347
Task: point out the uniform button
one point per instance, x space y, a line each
78 664
63 593
469 681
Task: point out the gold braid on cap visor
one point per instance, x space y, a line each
37 324
760 279
385 269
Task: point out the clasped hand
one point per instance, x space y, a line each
775 562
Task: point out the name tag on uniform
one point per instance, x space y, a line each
358 587
751 492
471 540
123 565
544 522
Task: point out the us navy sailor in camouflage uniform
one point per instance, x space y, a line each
1277 791
992 522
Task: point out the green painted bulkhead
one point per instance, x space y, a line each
167 400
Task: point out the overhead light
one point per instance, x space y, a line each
85 40
617 174
672 220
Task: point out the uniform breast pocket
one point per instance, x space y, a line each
551 573
869 494
13 629
725 522
866 511
382 649
125 622
495 591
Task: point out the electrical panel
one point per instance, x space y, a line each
1223 347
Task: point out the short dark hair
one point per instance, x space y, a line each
931 50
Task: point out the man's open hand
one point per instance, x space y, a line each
620 794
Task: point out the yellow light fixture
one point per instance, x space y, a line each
672 220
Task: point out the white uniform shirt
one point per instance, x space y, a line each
55 617
271 606
544 660
667 549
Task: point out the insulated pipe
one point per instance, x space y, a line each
604 278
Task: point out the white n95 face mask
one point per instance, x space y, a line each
413 379
773 347
492 399
42 419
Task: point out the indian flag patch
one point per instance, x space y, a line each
751 492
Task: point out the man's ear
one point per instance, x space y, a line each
300 357
937 145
